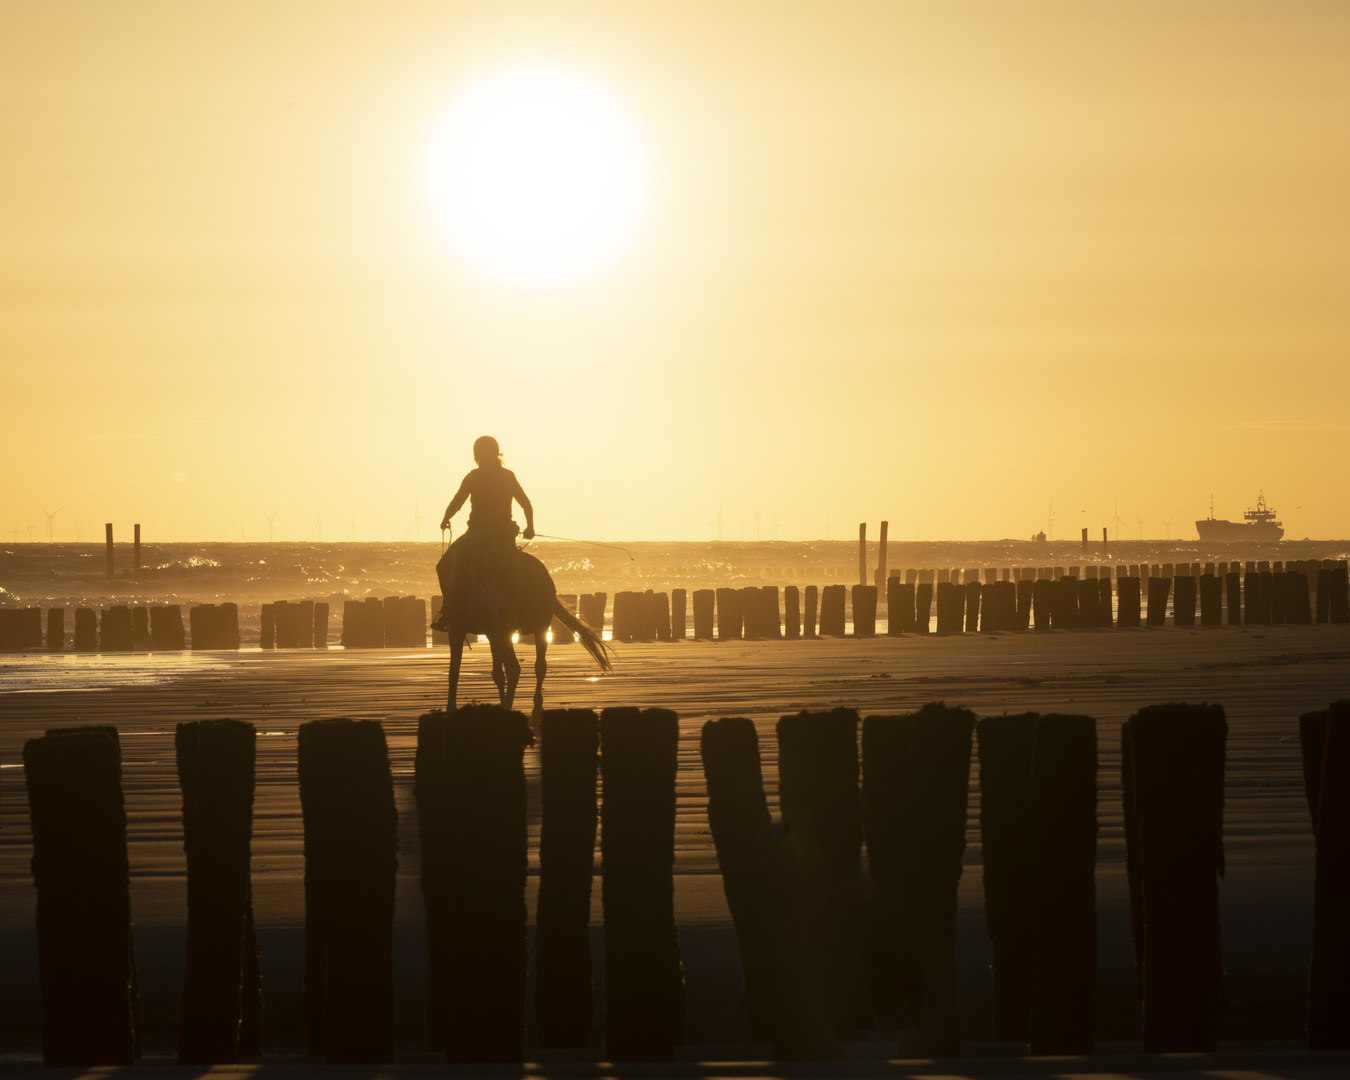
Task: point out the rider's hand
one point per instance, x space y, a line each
528 534
445 524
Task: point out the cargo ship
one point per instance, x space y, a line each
1258 524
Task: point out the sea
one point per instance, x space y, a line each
251 574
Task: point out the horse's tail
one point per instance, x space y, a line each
591 639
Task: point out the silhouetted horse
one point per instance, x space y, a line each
529 609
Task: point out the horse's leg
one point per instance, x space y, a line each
456 656
512 672
540 669
499 666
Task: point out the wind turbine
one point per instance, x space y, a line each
1139 520
270 518
318 524
1117 521
719 521
51 514
758 514
352 524
1050 522
775 526
30 529
1168 522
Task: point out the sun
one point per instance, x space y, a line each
538 176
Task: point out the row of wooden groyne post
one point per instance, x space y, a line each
1017 598
827 942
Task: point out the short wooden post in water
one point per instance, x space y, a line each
56 629
114 631
899 607
1325 739
792 613
644 985
973 592
679 618
222 991
86 954
1158 588
1233 588
1127 602
864 610
950 608
351 855
809 616
738 816
1174 774
86 630
832 611
1211 601
728 615
703 614
563 985
269 626
923 606
321 625
1183 601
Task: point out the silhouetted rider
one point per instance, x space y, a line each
489 541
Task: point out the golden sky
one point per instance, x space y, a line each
940 263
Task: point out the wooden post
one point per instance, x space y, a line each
738 817
85 949
862 553
56 629
321 625
832 611
86 630
644 983
1127 590
1085 540
563 988
1174 773
864 610
679 619
923 606
880 581
792 613
703 614
809 618
269 626
1103 540
108 542
136 550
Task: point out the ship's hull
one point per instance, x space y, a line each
1230 531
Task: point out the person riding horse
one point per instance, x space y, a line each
479 566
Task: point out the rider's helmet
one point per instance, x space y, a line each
486 450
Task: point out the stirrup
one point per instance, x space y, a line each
440 624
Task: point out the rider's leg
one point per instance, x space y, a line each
540 669
456 655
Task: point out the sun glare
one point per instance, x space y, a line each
538 176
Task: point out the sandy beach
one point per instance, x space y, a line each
1264 677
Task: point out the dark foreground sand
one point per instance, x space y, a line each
1265 677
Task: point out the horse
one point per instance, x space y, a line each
528 607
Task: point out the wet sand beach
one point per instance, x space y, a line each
1263 676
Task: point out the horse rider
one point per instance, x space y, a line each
488 543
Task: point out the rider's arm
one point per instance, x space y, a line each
524 500
461 496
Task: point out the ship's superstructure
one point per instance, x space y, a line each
1257 524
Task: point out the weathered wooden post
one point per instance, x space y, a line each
1325 741
1172 776
222 987
923 606
832 614
864 610
899 607
56 629
86 630
114 632
1183 601
108 548
679 619
728 615
321 625
351 856
1158 588
86 952
973 590
1043 602
269 626
136 550
1211 601
1324 595
862 553
703 614
1127 601
916 772
738 817
772 622
1025 591
880 574
1233 588
644 984
792 613
563 986
821 981
140 628
486 850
